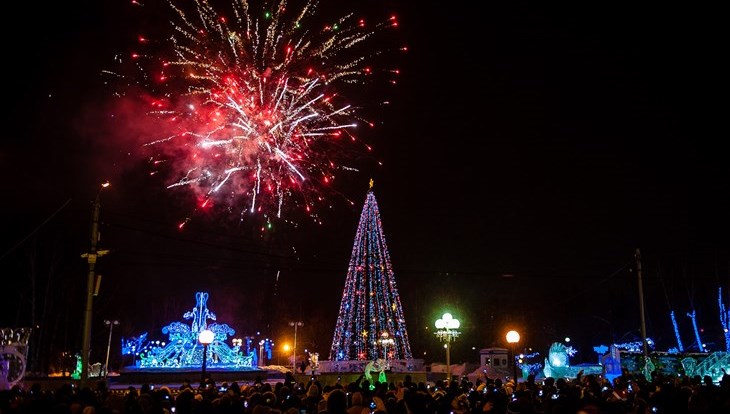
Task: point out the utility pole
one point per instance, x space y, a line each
90 257
641 304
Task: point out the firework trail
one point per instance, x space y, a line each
247 106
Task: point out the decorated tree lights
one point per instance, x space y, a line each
724 320
693 317
680 347
370 309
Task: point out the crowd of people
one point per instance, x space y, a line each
589 394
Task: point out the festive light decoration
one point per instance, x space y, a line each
529 364
714 365
680 347
314 361
249 100
693 316
370 305
13 355
557 363
266 350
183 350
636 346
724 320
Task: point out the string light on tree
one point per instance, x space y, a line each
370 302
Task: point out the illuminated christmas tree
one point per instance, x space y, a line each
370 324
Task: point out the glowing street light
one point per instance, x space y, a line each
285 350
513 337
205 337
447 331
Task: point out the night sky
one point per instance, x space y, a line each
527 151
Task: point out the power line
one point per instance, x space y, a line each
36 229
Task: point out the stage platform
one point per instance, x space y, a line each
167 376
342 372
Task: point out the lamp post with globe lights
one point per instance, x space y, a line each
513 337
386 340
447 332
111 324
205 337
295 324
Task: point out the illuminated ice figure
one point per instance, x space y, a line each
134 345
715 366
183 350
557 363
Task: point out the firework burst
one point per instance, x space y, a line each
247 107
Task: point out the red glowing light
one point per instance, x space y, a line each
244 121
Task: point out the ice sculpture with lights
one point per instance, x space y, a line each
13 354
557 363
714 365
182 349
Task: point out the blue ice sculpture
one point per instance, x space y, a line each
182 350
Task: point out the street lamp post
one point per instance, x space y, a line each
261 353
386 340
513 337
295 324
90 257
111 324
205 337
447 331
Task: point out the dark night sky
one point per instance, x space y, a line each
528 150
